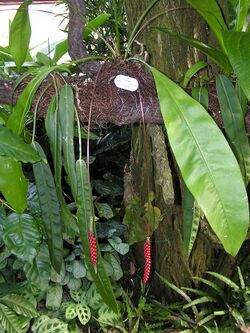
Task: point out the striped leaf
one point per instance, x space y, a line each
50 210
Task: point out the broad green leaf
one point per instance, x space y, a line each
60 49
9 320
117 270
5 54
53 325
234 123
38 272
74 283
54 297
191 220
19 304
207 163
17 118
194 69
43 59
238 10
100 277
201 95
78 269
13 184
121 248
238 50
83 313
104 210
50 210
66 115
20 32
95 24
13 146
214 54
70 312
22 236
211 12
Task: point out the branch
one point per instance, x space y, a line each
77 50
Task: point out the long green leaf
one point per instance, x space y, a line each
207 163
201 300
191 220
17 118
95 24
21 235
50 210
200 94
13 184
195 68
211 284
238 10
66 115
20 32
211 12
216 55
234 123
12 145
100 277
238 50
225 279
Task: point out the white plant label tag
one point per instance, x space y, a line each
126 82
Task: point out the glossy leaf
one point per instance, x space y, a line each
100 278
5 54
234 123
13 146
225 279
191 220
60 49
20 32
238 50
194 69
207 163
211 12
54 297
19 304
9 319
214 54
13 184
22 107
22 236
66 116
95 24
238 10
50 210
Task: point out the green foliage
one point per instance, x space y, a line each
205 165
50 210
195 68
44 324
20 32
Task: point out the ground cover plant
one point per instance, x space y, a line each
82 199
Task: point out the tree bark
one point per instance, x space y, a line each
172 58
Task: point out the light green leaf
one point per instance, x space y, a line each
50 210
53 325
13 146
201 300
216 55
100 278
43 59
238 50
13 184
207 163
194 69
9 320
78 269
22 236
19 304
83 313
60 49
20 32
238 10
234 123
54 297
211 12
201 95
104 210
66 115
74 284
95 24
22 107
225 279
70 312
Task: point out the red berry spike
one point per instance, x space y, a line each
147 257
93 249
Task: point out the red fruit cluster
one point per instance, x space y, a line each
93 248
147 257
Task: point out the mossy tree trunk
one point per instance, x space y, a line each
173 58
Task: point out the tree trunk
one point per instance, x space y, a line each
172 58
